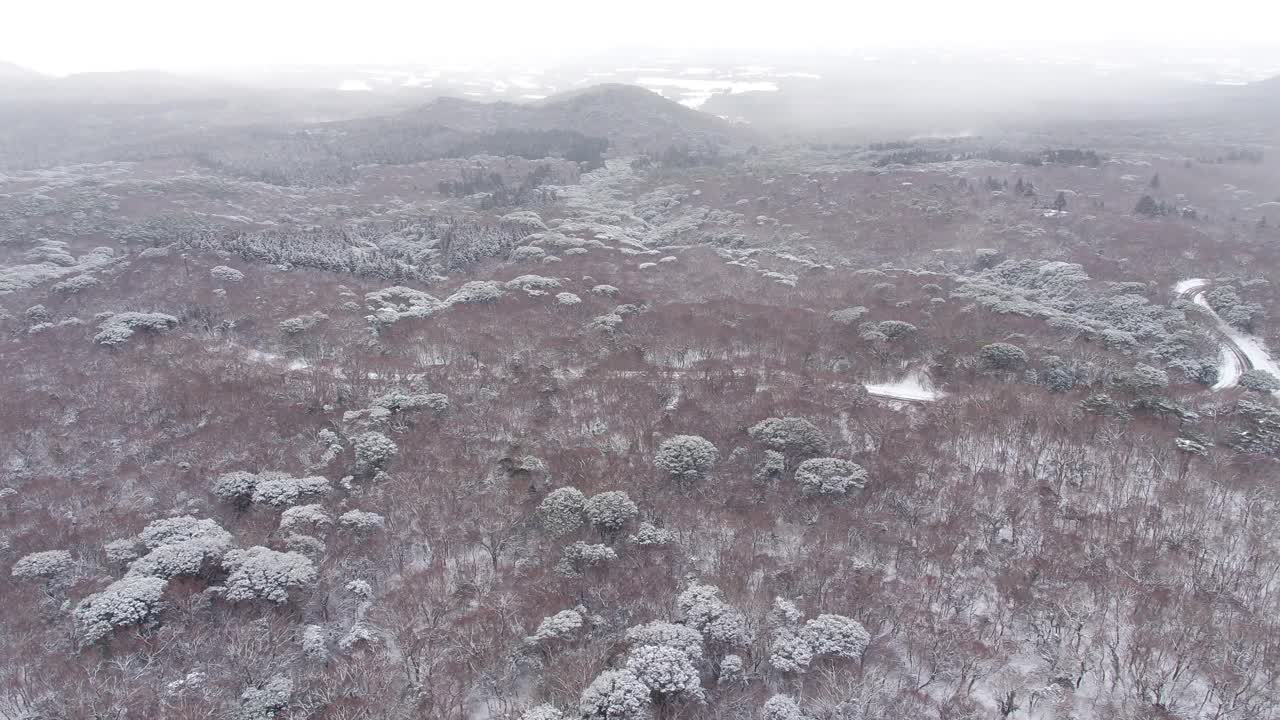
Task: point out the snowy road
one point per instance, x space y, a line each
1239 351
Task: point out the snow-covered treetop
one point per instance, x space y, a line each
830 476
131 600
610 511
263 573
791 435
560 512
615 695
686 458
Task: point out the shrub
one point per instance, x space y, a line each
236 488
119 327
848 316
304 518
265 574
1002 356
132 600
681 637
373 451
50 565
837 635
605 290
579 556
609 512
567 299
648 535
302 323
781 707
361 522
543 712
686 458
793 436
278 489
475 292
561 626
225 274
1143 379
561 511
703 608
830 476
615 695
1259 380
666 671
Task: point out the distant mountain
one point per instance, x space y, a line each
631 118
10 72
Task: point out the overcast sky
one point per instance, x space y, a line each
61 36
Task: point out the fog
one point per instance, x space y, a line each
81 36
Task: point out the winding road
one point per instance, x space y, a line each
1240 352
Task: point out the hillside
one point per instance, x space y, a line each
632 118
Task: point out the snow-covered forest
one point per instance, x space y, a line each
601 407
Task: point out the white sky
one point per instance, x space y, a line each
61 36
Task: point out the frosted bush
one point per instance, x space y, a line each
169 531
399 401
543 712
666 671
837 635
225 274
373 451
561 626
476 291
121 552
609 512
309 545
781 707
401 302
527 220
1002 356
302 323
361 522
703 608
648 535
528 253
567 298
278 489
265 701
78 283
771 468
560 512
895 329
52 565
304 518
236 488
790 651
580 556
605 323
314 644
784 613
791 435
732 669
183 556
686 458
263 573
1143 378
615 695
1259 380
605 290
132 600
830 476
848 316
119 327
681 637
533 284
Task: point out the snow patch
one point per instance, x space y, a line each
914 387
